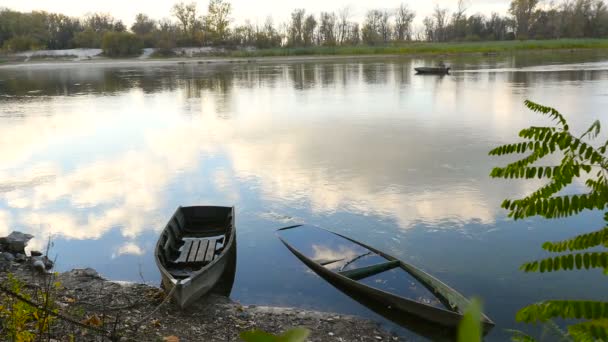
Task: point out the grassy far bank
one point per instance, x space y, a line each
404 49
427 48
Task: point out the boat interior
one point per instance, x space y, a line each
359 264
193 238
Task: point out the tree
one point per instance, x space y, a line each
523 11
403 23
327 29
372 27
343 24
440 16
267 36
102 22
459 21
61 30
143 25
385 26
579 159
353 34
296 28
429 29
218 19
308 32
186 15
121 44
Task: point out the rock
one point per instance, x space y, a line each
85 272
35 253
44 262
7 256
16 242
48 263
19 257
38 265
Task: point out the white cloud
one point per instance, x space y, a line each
128 248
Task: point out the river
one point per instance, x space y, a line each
98 156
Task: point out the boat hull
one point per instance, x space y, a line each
220 271
432 71
419 317
185 294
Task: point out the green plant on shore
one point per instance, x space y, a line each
579 160
425 48
292 335
20 321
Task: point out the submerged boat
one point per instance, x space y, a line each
433 70
196 252
392 288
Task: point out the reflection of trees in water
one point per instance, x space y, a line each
375 73
402 72
302 76
530 78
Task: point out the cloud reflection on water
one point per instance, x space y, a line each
383 142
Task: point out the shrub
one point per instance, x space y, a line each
87 39
22 43
164 47
121 44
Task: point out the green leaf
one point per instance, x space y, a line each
596 330
520 336
469 329
565 309
295 335
568 262
580 242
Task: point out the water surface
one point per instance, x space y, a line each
99 157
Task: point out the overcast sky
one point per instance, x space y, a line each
256 10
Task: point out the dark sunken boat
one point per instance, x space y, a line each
197 251
380 281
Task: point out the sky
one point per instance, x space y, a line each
256 10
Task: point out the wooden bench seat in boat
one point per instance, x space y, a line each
198 250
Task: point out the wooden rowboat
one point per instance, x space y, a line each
379 281
433 70
195 251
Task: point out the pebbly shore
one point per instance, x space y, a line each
140 312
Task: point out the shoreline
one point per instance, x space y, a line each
141 312
101 61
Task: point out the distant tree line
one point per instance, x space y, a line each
187 27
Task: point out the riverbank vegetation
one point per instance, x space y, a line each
580 159
419 48
380 31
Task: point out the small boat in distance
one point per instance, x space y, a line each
384 284
441 70
195 250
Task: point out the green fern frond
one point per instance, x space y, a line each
520 336
593 131
580 242
565 309
568 262
557 334
596 330
552 112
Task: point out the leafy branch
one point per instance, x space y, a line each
579 158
